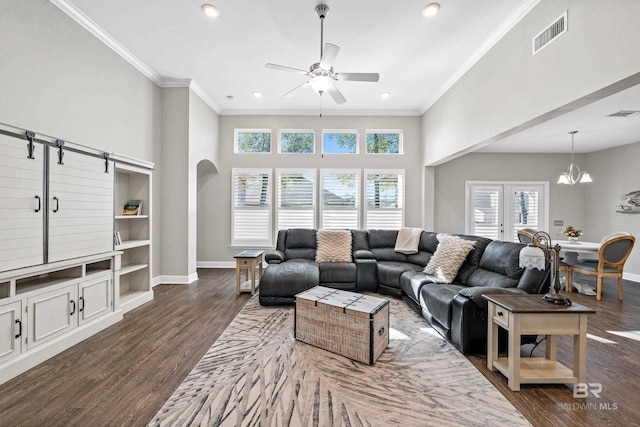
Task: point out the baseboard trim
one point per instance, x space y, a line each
215 264
174 280
632 277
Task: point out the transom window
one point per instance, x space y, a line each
297 141
383 141
252 141
340 142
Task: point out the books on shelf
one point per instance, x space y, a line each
132 207
117 240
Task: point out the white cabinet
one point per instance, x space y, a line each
51 314
21 204
10 330
133 183
80 206
95 299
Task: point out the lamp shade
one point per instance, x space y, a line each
586 177
532 257
321 83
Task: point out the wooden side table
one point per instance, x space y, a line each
530 315
248 261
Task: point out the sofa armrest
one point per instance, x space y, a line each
362 254
274 256
475 293
366 274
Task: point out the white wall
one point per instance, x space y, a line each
615 172
509 87
214 193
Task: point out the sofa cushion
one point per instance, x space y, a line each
412 281
289 278
437 300
337 272
470 263
389 272
503 258
300 243
448 258
334 246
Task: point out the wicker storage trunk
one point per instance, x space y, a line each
350 324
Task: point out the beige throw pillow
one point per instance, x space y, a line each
334 246
448 257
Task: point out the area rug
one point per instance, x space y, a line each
256 373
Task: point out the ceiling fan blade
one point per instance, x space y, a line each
336 95
283 68
358 77
328 56
294 90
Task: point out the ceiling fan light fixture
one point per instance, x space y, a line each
256 94
385 95
321 83
431 9
210 10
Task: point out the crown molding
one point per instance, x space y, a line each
82 19
494 38
271 112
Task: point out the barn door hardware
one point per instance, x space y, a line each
30 147
60 146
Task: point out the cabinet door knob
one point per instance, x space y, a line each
81 309
57 208
39 203
73 310
19 322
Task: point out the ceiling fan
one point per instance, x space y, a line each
321 73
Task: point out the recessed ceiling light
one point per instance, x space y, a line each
385 95
210 10
431 9
256 94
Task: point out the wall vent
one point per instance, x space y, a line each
549 34
625 113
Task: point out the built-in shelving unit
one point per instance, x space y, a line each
133 183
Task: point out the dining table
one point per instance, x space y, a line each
572 248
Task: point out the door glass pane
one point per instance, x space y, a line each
486 212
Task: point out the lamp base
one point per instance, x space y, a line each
556 299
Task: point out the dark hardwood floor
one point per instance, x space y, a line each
123 375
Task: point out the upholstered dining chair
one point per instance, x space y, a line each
613 253
525 235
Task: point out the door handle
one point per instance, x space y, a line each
39 203
73 310
57 208
81 309
19 322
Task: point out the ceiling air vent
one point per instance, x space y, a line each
549 34
625 113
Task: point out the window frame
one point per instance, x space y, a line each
249 130
401 174
269 208
357 193
302 131
387 131
342 131
277 205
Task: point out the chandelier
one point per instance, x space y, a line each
573 174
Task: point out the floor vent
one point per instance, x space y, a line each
549 34
625 113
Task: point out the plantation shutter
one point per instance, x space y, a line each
296 198
527 212
251 207
486 211
340 199
384 194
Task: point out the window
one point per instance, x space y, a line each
340 190
296 198
297 141
251 207
340 142
252 140
383 141
384 194
498 210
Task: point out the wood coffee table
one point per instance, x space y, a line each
530 315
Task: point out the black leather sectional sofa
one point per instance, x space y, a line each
456 310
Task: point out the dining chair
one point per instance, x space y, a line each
612 255
525 235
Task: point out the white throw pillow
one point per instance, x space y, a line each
448 257
334 246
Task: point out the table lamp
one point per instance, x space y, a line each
536 255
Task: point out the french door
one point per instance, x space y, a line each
497 210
